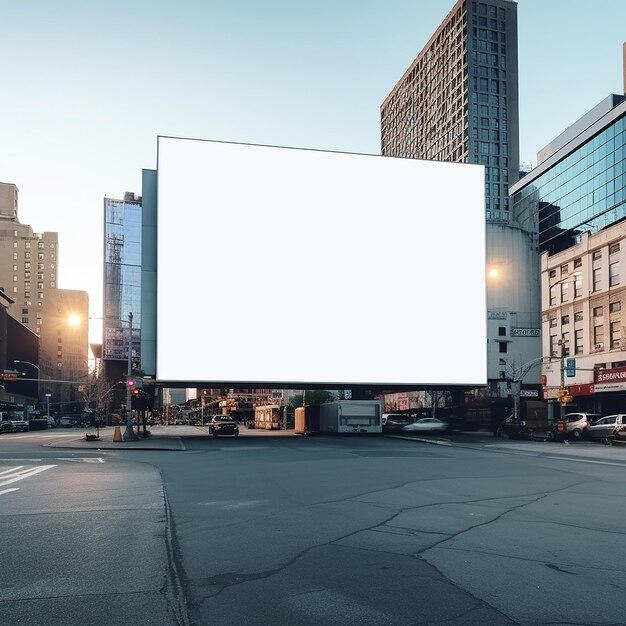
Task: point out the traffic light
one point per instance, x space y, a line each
563 396
135 391
131 383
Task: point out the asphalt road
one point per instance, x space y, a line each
292 530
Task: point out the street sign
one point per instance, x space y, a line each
571 367
8 376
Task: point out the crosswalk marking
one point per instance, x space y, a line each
9 490
19 474
11 469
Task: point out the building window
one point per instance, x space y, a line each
40 245
565 344
597 311
613 248
615 335
564 320
502 331
597 279
553 322
27 244
553 295
578 286
578 316
598 336
613 274
552 274
578 341
615 307
564 292
503 347
553 346
24 320
578 263
564 270
597 255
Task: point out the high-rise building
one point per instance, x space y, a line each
28 274
28 262
458 101
64 347
122 284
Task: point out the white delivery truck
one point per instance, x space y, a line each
351 416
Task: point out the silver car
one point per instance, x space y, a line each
604 429
426 425
577 424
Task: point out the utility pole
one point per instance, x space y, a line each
561 403
129 435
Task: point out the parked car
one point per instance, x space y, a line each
606 427
394 421
576 425
426 425
6 427
18 419
66 422
223 425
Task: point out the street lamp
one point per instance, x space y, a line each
48 405
29 363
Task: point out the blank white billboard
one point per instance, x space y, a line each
282 265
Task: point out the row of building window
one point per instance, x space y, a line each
40 266
40 255
598 311
41 245
615 340
488 10
597 283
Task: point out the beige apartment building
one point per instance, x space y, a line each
28 262
29 276
583 327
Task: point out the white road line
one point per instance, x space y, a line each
12 478
43 436
11 469
9 490
81 459
569 458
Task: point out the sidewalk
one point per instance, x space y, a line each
159 440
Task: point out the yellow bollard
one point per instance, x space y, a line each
117 435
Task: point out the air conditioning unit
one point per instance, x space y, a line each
599 346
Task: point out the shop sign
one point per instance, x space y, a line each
525 332
497 315
529 393
601 387
615 375
581 390
550 393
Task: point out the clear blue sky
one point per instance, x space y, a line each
87 87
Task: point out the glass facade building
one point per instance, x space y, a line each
580 185
122 277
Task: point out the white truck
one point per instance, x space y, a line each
351 416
